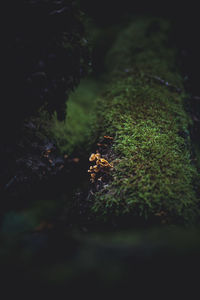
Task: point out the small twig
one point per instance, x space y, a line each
166 83
196 98
11 181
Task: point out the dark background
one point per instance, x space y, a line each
185 35
184 16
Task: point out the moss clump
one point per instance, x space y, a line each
78 131
153 174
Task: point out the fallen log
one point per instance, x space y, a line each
153 175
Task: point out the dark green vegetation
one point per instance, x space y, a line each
78 132
143 109
52 234
114 262
142 106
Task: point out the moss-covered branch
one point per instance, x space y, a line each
153 175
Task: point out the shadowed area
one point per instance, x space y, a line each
99 160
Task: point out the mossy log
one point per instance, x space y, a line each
153 176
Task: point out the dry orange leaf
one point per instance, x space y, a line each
96 168
101 164
43 225
92 177
94 156
104 163
76 159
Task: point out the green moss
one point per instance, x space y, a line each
78 131
152 173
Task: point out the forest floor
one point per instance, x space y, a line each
139 211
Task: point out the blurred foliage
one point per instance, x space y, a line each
79 131
114 261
